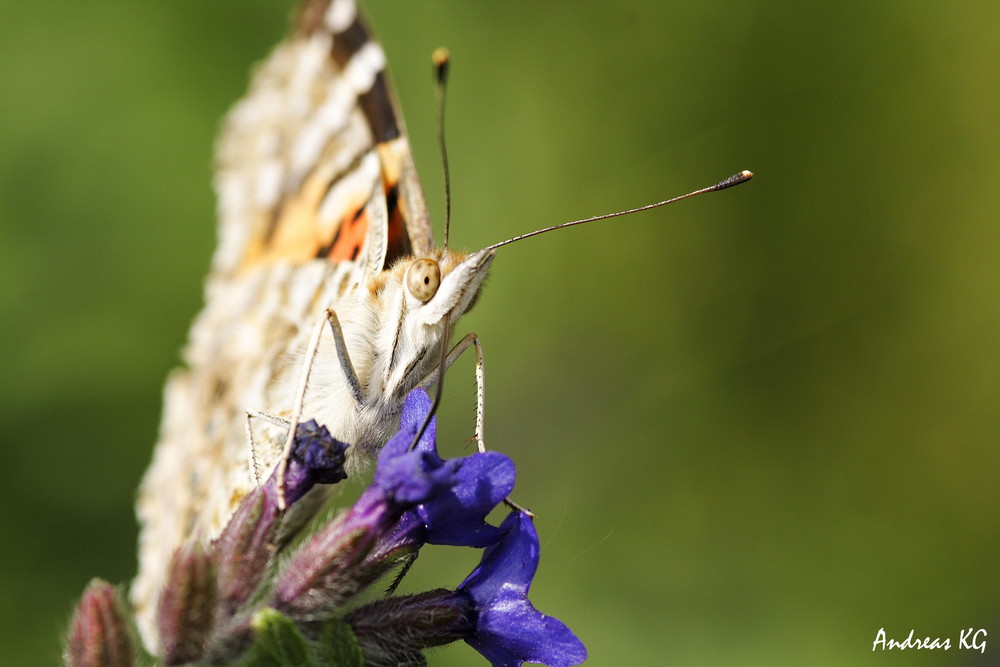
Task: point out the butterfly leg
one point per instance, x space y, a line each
270 419
350 375
462 345
470 339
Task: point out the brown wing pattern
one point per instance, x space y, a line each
316 108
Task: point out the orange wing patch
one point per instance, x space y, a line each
350 238
298 233
329 220
324 218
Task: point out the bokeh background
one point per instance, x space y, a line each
756 427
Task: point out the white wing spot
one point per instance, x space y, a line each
340 15
364 67
345 193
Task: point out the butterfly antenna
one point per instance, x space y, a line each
441 60
735 179
439 390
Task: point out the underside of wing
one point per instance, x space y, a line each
317 194
315 139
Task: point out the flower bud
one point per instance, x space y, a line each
246 545
321 576
185 614
392 629
243 550
100 636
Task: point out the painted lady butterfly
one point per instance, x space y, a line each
320 208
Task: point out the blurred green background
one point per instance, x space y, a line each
756 427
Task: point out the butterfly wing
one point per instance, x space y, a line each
317 193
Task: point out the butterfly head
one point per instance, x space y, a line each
418 296
445 286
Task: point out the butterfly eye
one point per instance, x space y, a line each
423 278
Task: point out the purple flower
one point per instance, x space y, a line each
407 476
457 515
490 611
508 629
328 569
227 599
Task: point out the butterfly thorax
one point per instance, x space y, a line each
394 342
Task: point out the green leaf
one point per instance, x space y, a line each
278 641
338 646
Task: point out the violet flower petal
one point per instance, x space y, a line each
412 476
457 517
509 630
415 409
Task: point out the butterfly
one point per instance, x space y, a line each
320 208
327 263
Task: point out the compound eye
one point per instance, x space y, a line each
422 279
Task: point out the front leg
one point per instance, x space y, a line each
350 376
270 419
460 347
